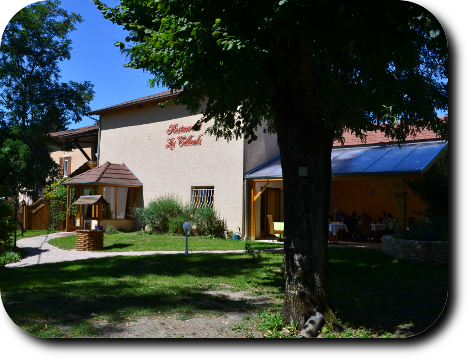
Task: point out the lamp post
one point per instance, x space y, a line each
23 204
186 227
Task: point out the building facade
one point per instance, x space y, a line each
158 145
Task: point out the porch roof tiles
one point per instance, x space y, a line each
106 174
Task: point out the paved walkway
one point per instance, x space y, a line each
41 252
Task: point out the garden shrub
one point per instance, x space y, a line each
432 188
141 215
207 222
160 210
432 229
7 223
56 193
175 225
110 229
168 213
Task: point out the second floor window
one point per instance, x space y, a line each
65 165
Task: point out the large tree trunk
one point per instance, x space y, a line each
304 141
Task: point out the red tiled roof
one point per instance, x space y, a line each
379 138
106 174
167 94
83 168
74 133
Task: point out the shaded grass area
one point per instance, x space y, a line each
65 299
13 254
376 292
372 293
136 241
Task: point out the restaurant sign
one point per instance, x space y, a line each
182 140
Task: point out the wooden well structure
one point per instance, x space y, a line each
91 239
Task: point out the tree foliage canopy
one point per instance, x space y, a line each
378 62
33 101
306 70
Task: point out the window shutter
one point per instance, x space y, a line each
69 165
61 165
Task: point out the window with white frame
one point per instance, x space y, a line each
66 165
202 197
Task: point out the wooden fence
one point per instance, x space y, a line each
37 216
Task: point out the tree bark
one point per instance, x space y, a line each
304 141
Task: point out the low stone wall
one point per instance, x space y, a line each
415 251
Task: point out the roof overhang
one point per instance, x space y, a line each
391 161
91 200
161 97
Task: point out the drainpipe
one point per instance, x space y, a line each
97 154
245 209
98 145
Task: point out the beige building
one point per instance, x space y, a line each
145 151
158 146
83 145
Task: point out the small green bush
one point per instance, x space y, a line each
7 223
434 229
175 225
166 214
159 211
207 222
110 229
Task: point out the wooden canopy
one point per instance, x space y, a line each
91 200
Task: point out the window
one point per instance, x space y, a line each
202 197
88 210
65 164
119 199
122 205
109 193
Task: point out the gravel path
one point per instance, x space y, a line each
41 252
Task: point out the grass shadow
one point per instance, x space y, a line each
116 246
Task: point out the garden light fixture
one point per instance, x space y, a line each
186 228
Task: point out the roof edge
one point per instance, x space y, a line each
131 103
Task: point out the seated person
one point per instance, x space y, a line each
383 217
352 225
357 230
340 215
354 215
389 221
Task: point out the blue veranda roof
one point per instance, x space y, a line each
383 160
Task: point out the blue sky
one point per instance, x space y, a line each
95 58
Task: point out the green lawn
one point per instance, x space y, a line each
27 234
372 294
136 241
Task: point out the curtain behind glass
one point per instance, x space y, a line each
123 203
109 193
